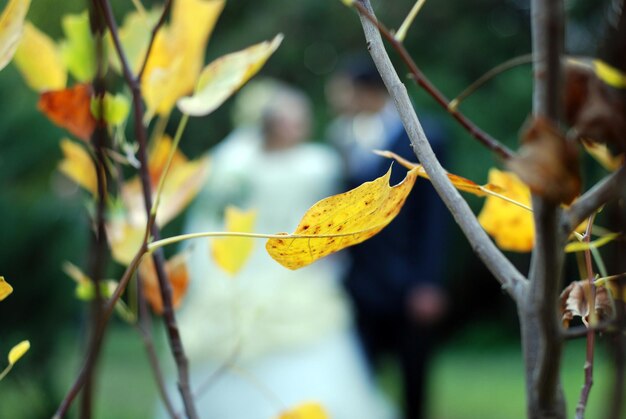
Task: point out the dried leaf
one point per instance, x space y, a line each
580 246
547 162
79 49
575 303
511 227
308 410
11 26
459 182
5 289
603 155
18 351
220 79
231 253
176 269
70 109
177 55
39 60
342 220
78 165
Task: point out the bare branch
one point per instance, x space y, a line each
510 278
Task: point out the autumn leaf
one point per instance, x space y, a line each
15 354
39 61
604 156
11 26
231 253
616 284
220 79
5 289
177 274
112 109
342 220
580 246
78 165
511 226
575 303
177 54
547 162
308 410
70 109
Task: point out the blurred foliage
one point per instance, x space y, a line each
42 217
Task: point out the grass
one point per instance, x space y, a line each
468 379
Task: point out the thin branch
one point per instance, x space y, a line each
591 334
401 34
510 278
604 191
169 317
166 8
543 357
419 77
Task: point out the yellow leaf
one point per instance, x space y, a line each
512 227
580 246
459 182
11 26
610 75
78 166
18 351
309 410
603 155
220 79
39 61
125 237
5 289
342 220
231 253
177 55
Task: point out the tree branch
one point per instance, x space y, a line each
166 9
419 77
510 278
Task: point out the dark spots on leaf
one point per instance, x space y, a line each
339 228
306 227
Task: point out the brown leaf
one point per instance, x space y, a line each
594 109
575 303
70 109
547 162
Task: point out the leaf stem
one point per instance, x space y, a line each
408 21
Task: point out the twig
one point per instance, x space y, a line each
591 334
408 21
166 8
604 191
419 77
543 350
169 317
510 278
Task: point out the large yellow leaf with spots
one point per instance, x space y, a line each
342 220
231 253
511 226
308 410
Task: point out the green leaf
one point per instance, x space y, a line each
79 50
115 109
582 246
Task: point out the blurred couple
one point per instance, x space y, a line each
280 338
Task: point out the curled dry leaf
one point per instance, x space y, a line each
511 226
11 26
70 109
231 253
177 274
5 289
342 220
308 410
594 102
547 162
575 303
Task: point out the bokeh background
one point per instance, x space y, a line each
476 371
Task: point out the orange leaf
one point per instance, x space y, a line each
176 269
70 109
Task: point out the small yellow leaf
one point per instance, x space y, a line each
5 289
308 410
39 61
18 351
511 226
11 26
220 79
78 165
580 246
342 220
125 237
610 75
601 153
231 253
